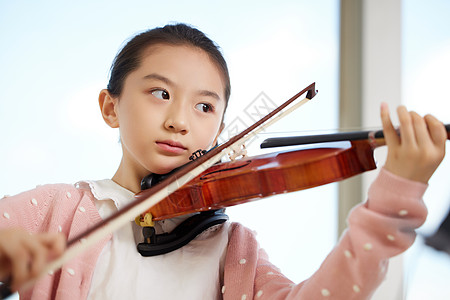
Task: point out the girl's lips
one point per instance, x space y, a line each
171 146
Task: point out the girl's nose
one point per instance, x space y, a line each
177 121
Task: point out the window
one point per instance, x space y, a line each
55 59
426 61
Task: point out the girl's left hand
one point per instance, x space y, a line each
419 149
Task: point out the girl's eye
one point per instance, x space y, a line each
204 107
161 94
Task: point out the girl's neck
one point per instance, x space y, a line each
127 179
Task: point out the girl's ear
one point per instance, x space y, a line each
108 108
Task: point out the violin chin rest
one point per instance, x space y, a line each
181 235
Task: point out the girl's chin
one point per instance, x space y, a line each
164 169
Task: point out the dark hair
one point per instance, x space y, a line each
129 57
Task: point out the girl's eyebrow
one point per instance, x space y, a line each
171 83
160 78
209 94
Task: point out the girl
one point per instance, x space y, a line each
167 94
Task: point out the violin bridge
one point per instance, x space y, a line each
237 151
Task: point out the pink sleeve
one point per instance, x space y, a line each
25 209
57 208
382 227
35 210
378 229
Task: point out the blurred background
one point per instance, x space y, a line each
55 58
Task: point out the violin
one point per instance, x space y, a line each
240 181
248 179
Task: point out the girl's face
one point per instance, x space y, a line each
171 106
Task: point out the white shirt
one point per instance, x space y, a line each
192 272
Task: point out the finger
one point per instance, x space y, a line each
20 267
44 247
38 254
390 134
14 258
36 251
55 242
5 267
437 130
406 127
421 133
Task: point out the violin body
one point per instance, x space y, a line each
236 182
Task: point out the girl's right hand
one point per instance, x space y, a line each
24 255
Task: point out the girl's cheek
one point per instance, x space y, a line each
203 139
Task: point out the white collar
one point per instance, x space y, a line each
107 189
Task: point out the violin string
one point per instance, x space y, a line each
304 132
331 130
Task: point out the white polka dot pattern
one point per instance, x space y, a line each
70 271
367 246
325 292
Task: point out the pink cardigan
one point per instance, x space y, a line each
380 228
